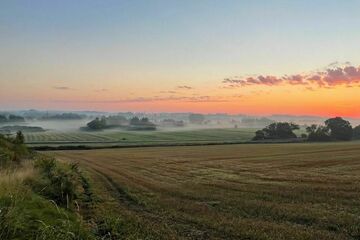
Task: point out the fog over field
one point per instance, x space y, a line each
75 125
61 121
59 125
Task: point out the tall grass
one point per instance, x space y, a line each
32 196
11 177
12 192
26 215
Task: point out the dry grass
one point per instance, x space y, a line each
10 178
271 191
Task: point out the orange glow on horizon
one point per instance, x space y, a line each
254 100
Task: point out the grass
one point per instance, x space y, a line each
263 191
28 207
26 215
16 176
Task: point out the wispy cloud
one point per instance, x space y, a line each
61 88
184 87
169 92
333 75
199 99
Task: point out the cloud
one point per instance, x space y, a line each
184 87
333 75
197 99
171 92
259 80
62 88
101 90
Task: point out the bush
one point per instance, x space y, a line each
19 139
58 182
11 151
24 212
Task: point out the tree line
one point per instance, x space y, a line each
11 118
134 123
333 129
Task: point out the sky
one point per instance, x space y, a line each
257 57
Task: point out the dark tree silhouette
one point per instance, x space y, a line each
340 129
196 118
318 133
135 121
3 118
117 120
14 118
356 132
278 130
141 124
97 124
259 135
19 139
144 120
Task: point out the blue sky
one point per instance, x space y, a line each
247 34
105 44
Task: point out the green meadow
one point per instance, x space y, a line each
124 138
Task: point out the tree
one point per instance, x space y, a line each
259 135
97 124
278 130
144 120
3 118
135 121
340 129
312 128
64 116
116 120
196 118
356 132
19 139
317 133
173 123
141 124
14 118
103 121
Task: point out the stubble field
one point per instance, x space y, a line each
262 191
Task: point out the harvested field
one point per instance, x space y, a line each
263 191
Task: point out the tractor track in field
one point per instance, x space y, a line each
188 229
121 195
185 228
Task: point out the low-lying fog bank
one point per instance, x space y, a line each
54 125
122 121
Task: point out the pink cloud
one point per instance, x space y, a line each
332 76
